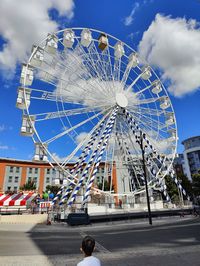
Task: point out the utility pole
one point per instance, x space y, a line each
145 176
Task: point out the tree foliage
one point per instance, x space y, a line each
173 191
105 187
196 185
52 189
29 185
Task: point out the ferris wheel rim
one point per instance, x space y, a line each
27 109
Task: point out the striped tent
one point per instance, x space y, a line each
18 199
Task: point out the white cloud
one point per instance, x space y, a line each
60 159
129 20
77 83
4 147
81 137
172 45
2 128
23 23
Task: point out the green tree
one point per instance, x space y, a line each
196 185
172 189
106 186
186 184
29 185
52 189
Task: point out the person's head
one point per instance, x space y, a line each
88 245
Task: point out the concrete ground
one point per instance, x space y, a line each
168 242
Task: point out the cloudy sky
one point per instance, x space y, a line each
166 33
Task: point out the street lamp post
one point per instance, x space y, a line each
145 176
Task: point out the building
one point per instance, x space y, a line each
191 156
179 165
15 173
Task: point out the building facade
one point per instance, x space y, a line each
15 173
191 156
179 165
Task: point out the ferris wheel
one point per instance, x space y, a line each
89 98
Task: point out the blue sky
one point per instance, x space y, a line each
167 34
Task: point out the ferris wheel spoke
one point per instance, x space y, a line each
98 62
148 100
133 82
91 138
66 113
148 110
91 66
149 120
130 147
126 74
67 67
149 126
73 128
143 89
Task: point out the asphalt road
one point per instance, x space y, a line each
172 241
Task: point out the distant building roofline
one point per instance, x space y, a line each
189 139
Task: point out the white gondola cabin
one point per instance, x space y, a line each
86 37
172 133
27 129
51 43
40 153
68 38
156 87
26 75
119 50
165 103
23 94
133 60
103 41
169 119
146 72
38 56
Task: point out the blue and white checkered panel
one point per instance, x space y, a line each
87 193
134 126
78 164
152 169
103 138
127 154
77 171
177 182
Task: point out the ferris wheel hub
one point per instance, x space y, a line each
121 100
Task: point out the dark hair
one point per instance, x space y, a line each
88 244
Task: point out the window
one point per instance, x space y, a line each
35 179
15 189
29 179
47 180
11 169
17 169
48 171
36 170
8 188
10 179
16 179
30 170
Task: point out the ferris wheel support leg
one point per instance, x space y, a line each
105 135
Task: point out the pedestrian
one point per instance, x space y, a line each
87 248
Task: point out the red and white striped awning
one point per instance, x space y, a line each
17 199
